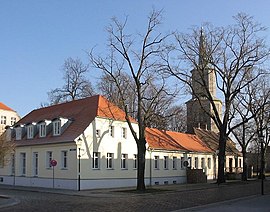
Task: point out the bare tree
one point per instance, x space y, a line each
143 68
6 148
234 55
176 118
260 108
246 131
76 85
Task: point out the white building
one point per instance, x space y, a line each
93 147
8 117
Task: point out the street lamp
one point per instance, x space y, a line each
261 139
79 143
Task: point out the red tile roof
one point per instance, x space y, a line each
169 140
81 113
4 107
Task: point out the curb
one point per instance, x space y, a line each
7 201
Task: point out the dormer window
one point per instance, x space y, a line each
57 127
42 129
19 132
30 131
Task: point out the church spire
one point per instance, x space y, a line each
202 49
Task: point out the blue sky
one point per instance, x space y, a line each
36 36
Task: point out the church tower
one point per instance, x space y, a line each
198 107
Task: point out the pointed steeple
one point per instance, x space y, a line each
202 49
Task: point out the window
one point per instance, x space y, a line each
30 131
49 157
196 165
12 121
111 131
109 160
35 164
124 161
182 162
189 161
95 164
124 132
3 120
13 164
166 161
23 163
209 163
98 133
42 130
174 162
64 159
203 163
156 162
240 162
18 133
135 161
57 127
236 163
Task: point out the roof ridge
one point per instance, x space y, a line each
5 107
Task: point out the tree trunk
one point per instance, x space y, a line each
245 170
221 158
141 165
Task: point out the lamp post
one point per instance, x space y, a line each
79 165
262 163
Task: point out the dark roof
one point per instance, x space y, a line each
80 114
211 139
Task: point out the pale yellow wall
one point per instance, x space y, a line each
43 171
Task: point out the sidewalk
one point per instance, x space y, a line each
246 204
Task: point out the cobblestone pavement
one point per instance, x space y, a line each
162 198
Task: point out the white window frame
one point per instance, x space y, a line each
156 162
203 163
174 162
12 164
3 120
111 130
209 163
30 131
182 162
64 159
196 163
35 164
124 159
49 157
57 127
98 133
135 161
96 160
22 163
166 162
18 131
124 132
13 121
42 130
110 160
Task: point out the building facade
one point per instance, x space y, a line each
86 144
8 117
